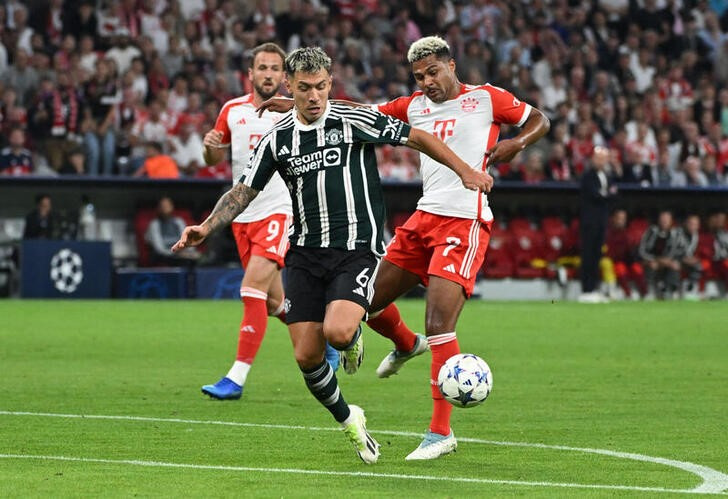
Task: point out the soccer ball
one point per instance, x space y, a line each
465 380
66 271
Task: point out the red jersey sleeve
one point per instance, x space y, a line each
507 108
221 125
396 108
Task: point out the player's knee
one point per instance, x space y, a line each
339 335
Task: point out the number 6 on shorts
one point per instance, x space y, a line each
363 278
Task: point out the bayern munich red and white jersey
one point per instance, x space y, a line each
242 129
469 124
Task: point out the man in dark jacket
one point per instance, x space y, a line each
39 222
595 192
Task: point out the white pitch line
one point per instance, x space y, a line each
714 481
364 474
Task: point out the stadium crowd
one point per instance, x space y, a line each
130 88
101 87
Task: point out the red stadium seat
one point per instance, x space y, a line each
527 247
553 225
499 262
519 224
142 219
556 238
635 229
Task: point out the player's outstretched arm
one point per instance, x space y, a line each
536 126
229 206
440 152
275 105
213 151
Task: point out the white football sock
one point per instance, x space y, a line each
239 372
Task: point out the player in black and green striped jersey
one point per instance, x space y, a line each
325 155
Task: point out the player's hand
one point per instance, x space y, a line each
193 235
276 105
503 151
213 139
477 181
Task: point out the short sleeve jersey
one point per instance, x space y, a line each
330 169
242 129
469 124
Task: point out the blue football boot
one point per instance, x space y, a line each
225 389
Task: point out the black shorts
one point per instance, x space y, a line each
318 276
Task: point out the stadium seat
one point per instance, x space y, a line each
527 250
635 229
519 224
142 219
556 235
553 225
499 262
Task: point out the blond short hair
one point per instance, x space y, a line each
429 45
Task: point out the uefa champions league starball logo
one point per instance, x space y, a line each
66 270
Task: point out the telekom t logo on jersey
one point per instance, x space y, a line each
443 128
253 140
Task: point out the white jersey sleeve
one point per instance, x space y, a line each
242 129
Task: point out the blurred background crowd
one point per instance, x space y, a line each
100 87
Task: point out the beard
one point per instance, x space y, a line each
264 93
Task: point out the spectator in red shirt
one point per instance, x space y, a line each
580 147
558 167
675 91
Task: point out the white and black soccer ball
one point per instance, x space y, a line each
66 270
465 380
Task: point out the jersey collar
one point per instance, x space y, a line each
316 124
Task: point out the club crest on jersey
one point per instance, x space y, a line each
469 104
334 137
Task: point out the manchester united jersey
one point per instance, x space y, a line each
242 129
469 124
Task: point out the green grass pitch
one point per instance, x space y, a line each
642 378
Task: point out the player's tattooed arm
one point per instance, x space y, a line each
229 206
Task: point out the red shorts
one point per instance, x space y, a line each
267 238
448 247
